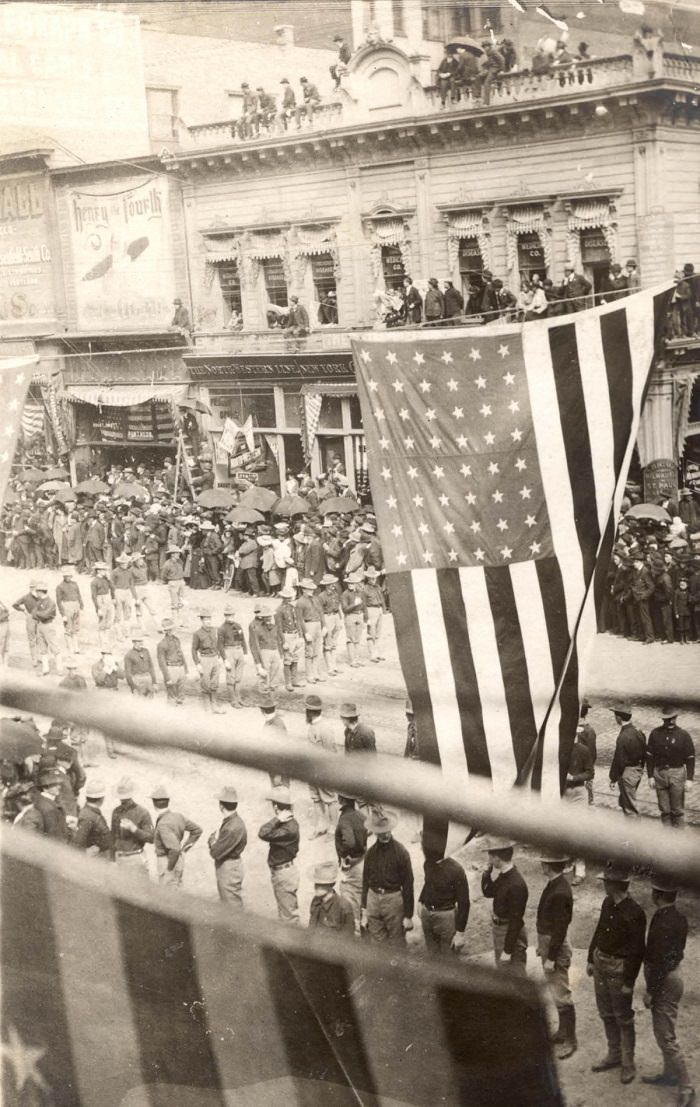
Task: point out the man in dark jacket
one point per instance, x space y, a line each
387 884
627 765
413 302
554 912
434 302
444 899
282 835
614 959
641 586
350 846
359 738
503 883
46 816
93 834
670 765
329 910
226 846
454 301
574 290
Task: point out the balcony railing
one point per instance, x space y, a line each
273 341
507 90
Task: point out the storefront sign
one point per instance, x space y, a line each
270 366
161 367
26 278
122 258
660 479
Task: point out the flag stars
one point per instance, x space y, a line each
485 410
513 406
520 464
392 503
458 412
470 498
480 382
535 548
424 385
506 553
449 528
435 442
475 527
502 524
530 521
438 472
475 354
419 358
386 473
404 414
391 357
516 435
379 414
418 501
428 557
397 531
397 385
372 385
509 378
444 500
447 357
401 558
365 355
384 443
479 554
489 438
462 442
525 492
503 351
423 528
452 555
465 470
452 384
497 497
409 443
493 468
412 472
430 414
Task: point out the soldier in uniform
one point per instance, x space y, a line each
319 734
663 957
589 739
132 829
102 594
614 959
138 667
93 834
26 604
289 641
351 846
359 738
226 846
262 635
554 913
174 836
70 603
44 615
578 775
205 653
387 884
74 682
353 606
173 575
444 899
172 664
329 598
106 673
627 764
329 910
503 883
282 835
309 614
375 607
232 650
671 766
124 593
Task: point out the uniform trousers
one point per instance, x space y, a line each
292 648
557 978
209 678
628 785
350 886
285 884
105 611
578 795
312 649
30 624
134 861
353 628
374 623
438 930
664 1012
123 605
143 684
331 623
175 683
236 659
229 881
272 664
46 640
176 588
670 794
518 958
71 617
385 917
614 1006
170 877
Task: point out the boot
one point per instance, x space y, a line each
352 656
288 678
567 1025
44 666
558 1036
296 683
627 1040
613 1058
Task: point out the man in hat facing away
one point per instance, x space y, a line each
132 828
503 883
329 910
614 959
627 765
670 765
387 884
319 734
351 846
282 835
93 834
226 847
172 663
665 948
444 900
174 836
554 913
46 816
273 726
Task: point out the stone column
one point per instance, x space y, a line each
656 444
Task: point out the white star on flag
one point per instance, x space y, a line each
452 384
397 531
502 524
525 492
446 357
458 412
366 357
470 498
427 556
438 472
372 385
413 472
409 443
423 528
493 468
530 521
392 503
386 473
474 354
489 438
419 358
480 382
418 501
465 470
435 442
497 497
384 443
430 414
404 414
521 464
444 500
535 548
506 552
391 357
397 386
475 526
503 351
449 528
425 386
401 559
463 442
485 410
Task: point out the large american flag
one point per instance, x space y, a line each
498 457
15 378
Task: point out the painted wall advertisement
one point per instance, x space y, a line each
26 276
122 257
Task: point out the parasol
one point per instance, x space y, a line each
291 505
216 497
649 511
65 495
463 42
129 490
57 474
261 499
91 487
52 485
18 740
241 514
343 505
33 476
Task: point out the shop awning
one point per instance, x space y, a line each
125 395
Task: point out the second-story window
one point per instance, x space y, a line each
471 265
531 258
230 285
393 268
398 16
162 105
323 276
275 288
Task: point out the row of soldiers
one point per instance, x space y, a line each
370 889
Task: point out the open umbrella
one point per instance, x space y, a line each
242 514
65 495
18 740
191 404
52 485
215 497
343 505
130 490
92 487
649 511
463 42
57 474
261 499
33 476
291 505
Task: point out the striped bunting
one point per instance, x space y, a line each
116 994
498 457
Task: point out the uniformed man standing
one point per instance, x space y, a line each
614 959
102 594
578 775
319 734
173 574
671 766
205 652
309 614
444 900
273 727
262 635
375 607
329 598
44 615
554 913
589 739
138 667
503 883
627 764
226 846
329 910
93 834
106 673
387 884
45 815
351 846
132 828
289 640
282 835
174 836
232 650
26 605
359 738
665 949
69 603
172 664
74 682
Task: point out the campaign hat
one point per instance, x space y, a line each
325 873
381 822
348 711
228 794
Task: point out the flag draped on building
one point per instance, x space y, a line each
15 378
117 996
498 457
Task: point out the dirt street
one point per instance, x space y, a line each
617 668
